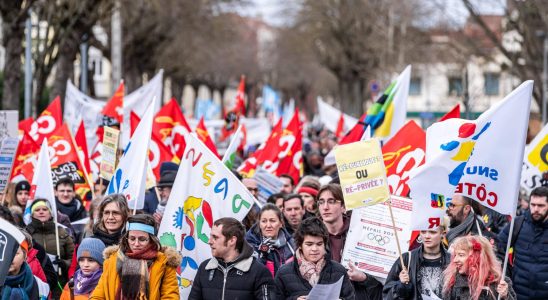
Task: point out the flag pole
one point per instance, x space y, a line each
395 232
57 242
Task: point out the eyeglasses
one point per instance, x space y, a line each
451 205
65 191
329 201
141 239
163 188
113 213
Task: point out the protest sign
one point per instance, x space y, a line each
535 161
10 239
110 148
268 184
362 173
8 123
371 244
8 148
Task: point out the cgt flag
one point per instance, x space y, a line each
48 121
130 176
473 158
204 191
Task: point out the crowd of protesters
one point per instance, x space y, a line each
99 250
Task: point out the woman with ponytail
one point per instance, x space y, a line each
474 272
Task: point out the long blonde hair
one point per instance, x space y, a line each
483 266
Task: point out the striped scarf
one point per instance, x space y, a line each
133 268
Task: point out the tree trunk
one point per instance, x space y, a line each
13 43
68 49
352 96
132 78
177 89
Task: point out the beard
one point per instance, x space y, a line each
538 218
456 219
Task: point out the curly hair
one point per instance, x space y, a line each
312 226
483 266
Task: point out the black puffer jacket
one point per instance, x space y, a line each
246 278
291 284
395 289
461 291
530 270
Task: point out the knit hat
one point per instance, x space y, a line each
92 248
22 185
39 203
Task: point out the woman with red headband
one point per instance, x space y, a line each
308 189
474 272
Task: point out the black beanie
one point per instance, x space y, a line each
22 185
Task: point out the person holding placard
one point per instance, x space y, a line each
422 276
311 265
474 272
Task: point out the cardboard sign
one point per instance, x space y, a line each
8 147
8 123
110 147
362 173
371 244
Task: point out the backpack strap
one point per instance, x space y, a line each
518 223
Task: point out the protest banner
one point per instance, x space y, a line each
8 123
10 239
362 173
8 147
535 161
204 191
371 244
49 120
110 149
268 184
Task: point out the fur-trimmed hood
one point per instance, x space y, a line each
173 258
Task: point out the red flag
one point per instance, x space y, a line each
82 145
157 151
340 127
239 105
272 143
454 113
169 125
26 151
203 135
115 106
291 146
49 120
24 125
355 134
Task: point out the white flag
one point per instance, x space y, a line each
42 184
479 159
329 116
204 191
130 175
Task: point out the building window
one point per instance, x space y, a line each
492 83
415 86
455 86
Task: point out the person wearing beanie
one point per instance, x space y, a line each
42 230
308 189
90 260
18 200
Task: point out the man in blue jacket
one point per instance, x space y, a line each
530 243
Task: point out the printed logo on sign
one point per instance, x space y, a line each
464 148
437 200
3 243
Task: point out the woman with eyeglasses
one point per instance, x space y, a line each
139 268
112 215
272 244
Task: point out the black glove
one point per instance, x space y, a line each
266 245
60 263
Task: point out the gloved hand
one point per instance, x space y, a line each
60 263
266 245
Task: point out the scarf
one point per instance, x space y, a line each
309 270
133 268
85 284
70 209
461 229
108 238
20 286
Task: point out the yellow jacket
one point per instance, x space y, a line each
163 277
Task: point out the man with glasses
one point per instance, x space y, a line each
252 186
67 201
465 218
333 214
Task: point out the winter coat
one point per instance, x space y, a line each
75 210
395 289
530 270
162 280
151 201
291 284
47 266
35 265
246 278
69 295
461 291
278 256
44 234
